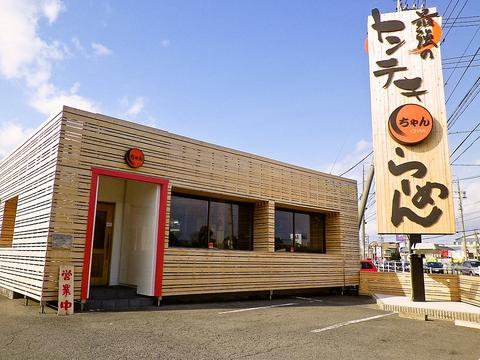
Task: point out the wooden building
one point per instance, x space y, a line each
128 204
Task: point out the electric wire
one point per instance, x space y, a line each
463 104
466 138
460 132
468 46
448 32
469 146
448 6
470 177
358 163
461 77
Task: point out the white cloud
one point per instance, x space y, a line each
75 87
363 145
51 9
362 148
100 50
11 136
78 46
24 55
134 108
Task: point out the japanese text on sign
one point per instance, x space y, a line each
411 152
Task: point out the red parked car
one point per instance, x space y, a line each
367 265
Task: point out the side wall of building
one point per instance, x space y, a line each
28 173
92 140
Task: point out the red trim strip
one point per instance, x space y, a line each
88 240
162 213
162 218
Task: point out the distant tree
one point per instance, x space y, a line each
395 255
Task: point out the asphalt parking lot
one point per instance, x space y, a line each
313 327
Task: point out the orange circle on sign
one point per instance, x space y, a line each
410 124
134 158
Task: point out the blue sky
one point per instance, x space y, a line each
282 79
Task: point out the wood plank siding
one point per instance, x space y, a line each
27 175
438 287
470 289
81 140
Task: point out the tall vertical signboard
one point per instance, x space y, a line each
412 163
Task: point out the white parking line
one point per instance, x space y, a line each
308 299
336 326
256 308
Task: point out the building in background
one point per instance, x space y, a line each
382 250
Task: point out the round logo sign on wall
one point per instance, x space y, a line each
410 124
134 157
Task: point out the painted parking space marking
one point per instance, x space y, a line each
339 325
308 299
256 308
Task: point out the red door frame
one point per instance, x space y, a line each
92 204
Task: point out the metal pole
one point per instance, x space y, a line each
364 198
362 241
460 207
416 271
476 245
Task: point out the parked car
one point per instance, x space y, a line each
471 267
367 265
433 267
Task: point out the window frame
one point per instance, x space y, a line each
209 201
310 214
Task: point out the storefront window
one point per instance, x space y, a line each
204 223
299 232
188 222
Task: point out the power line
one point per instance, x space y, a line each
358 163
464 19
461 77
460 66
449 62
466 138
445 37
463 104
451 12
456 57
470 177
460 132
469 146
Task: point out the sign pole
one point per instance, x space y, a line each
416 270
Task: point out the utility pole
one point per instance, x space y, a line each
362 242
476 245
460 207
367 247
364 198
